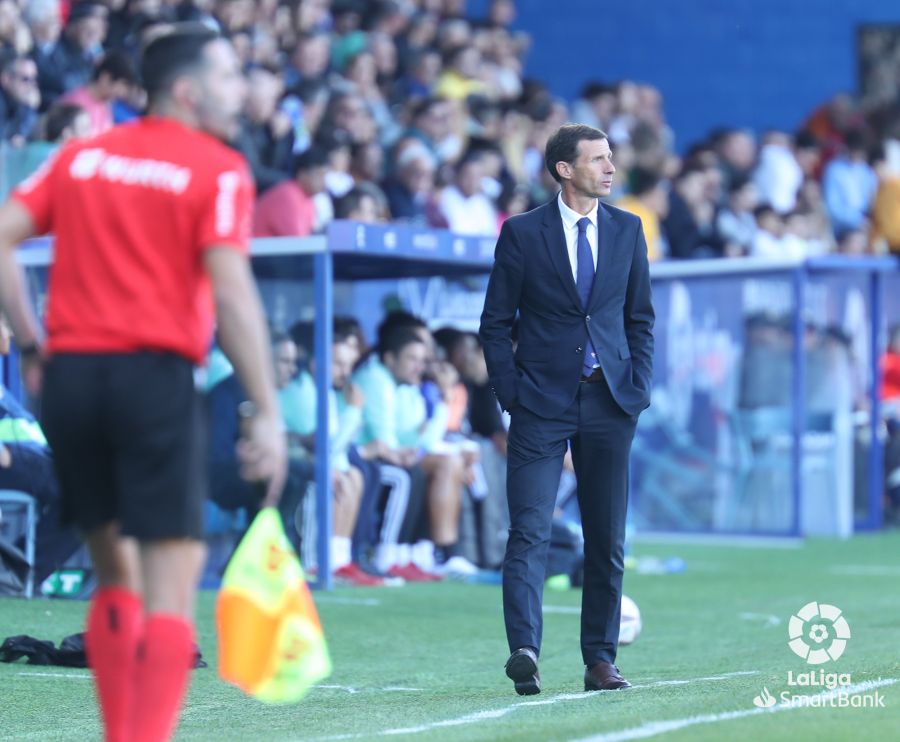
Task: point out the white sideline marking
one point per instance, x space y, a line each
651 729
401 689
866 570
388 689
78 676
497 713
568 609
769 619
347 601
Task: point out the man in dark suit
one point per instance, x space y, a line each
575 272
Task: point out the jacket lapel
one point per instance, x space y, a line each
555 239
607 237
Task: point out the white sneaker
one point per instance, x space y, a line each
456 567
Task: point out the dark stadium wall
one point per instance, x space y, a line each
757 63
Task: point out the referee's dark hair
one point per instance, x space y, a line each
173 54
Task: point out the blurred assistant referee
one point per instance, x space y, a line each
151 223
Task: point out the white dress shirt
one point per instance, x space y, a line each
570 228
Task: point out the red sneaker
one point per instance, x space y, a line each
412 573
351 574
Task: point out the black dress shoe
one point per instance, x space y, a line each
604 676
522 669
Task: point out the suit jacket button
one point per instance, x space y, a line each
579 349
587 318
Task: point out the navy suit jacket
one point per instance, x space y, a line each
532 277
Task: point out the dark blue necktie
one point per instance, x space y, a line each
584 282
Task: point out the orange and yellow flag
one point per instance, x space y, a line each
271 643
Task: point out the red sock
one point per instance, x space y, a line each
164 662
113 630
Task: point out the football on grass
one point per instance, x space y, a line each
630 625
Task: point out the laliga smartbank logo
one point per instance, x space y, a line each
810 630
818 633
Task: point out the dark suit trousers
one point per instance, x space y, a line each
600 434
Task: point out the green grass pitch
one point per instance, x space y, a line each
425 662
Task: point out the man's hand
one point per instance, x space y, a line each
262 455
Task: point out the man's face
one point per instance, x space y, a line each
312 180
343 357
408 365
20 81
469 178
9 19
264 90
418 176
285 358
366 211
222 91
88 33
591 174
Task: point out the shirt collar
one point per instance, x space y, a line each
570 217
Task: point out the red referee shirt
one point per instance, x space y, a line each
132 211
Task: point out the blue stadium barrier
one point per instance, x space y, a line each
712 448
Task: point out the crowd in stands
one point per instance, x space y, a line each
411 111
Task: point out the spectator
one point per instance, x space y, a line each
418 82
26 464
778 176
853 242
66 121
345 403
431 124
20 99
14 38
349 112
596 105
649 199
45 21
396 421
227 489
769 229
849 185
362 75
265 138
309 59
288 208
465 206
69 64
736 151
367 162
410 192
460 77
62 122
886 209
514 199
363 203
338 179
690 213
112 79
735 223
795 242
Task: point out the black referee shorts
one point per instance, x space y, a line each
128 437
